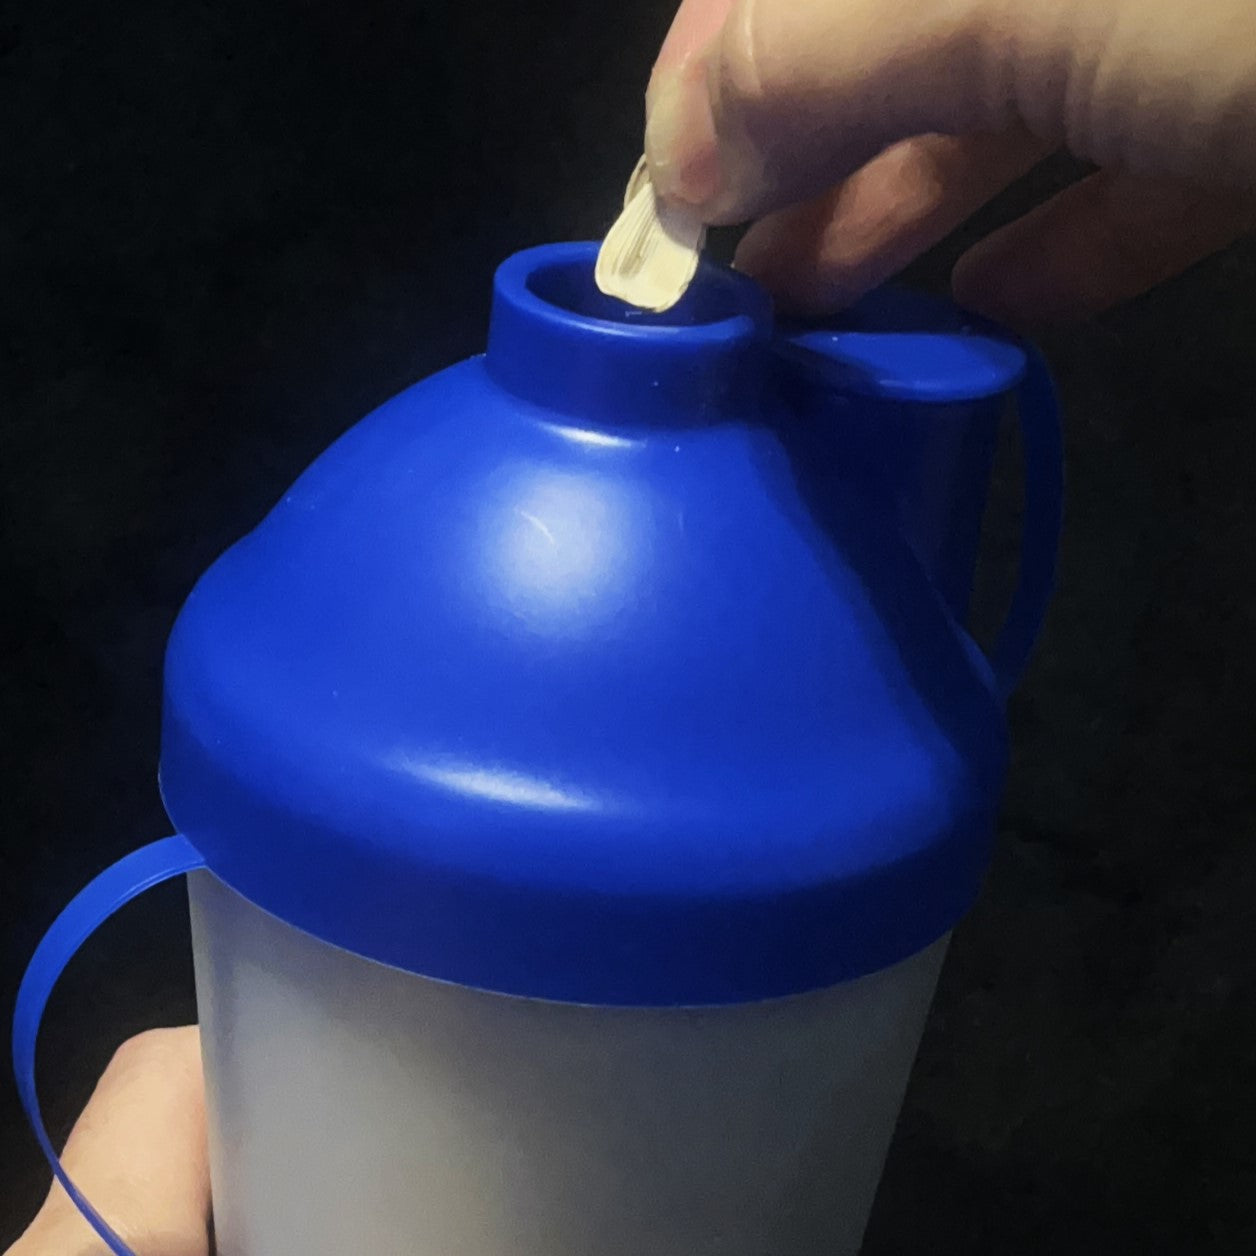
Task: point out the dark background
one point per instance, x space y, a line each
229 229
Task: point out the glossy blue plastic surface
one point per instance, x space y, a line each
596 669
918 387
918 392
899 345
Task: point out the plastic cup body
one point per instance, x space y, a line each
355 1107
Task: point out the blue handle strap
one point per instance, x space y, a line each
1042 443
900 345
112 889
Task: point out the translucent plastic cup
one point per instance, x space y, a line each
358 1108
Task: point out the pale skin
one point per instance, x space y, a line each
138 1152
854 134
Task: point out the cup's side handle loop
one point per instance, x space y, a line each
896 345
90 908
1042 445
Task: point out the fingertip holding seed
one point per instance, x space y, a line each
680 140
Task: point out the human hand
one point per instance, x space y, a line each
138 1153
860 132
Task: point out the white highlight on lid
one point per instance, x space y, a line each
495 784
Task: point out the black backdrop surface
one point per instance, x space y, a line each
227 230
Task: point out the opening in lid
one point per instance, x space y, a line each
557 341
715 296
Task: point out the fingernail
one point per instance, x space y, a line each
680 142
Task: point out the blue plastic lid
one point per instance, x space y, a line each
900 345
587 670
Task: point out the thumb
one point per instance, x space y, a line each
786 99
